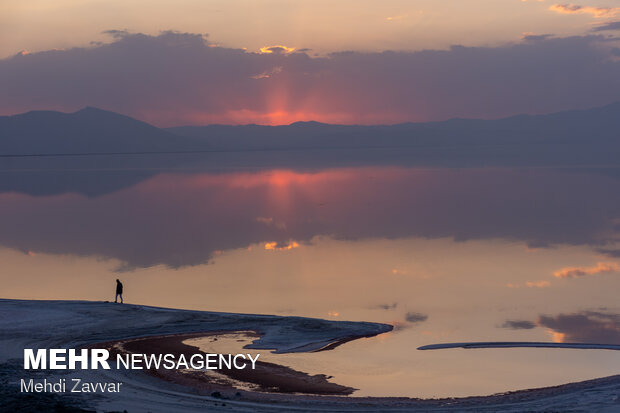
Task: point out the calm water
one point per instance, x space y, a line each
445 255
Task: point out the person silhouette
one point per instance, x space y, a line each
119 291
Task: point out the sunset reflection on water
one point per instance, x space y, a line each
444 255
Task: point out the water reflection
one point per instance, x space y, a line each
584 327
185 219
445 255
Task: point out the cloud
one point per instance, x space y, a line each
519 325
281 246
181 78
584 327
117 34
278 49
537 284
607 26
387 306
270 221
413 317
268 74
531 37
600 268
613 253
530 284
575 9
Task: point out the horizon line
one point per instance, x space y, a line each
319 123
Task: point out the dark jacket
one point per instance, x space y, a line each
119 287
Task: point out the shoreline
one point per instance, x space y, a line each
79 324
267 377
305 387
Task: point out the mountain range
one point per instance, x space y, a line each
96 131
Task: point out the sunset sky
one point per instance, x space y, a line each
451 232
201 62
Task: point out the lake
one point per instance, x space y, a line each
443 254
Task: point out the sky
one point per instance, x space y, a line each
277 62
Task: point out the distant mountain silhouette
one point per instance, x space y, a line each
593 126
89 130
93 130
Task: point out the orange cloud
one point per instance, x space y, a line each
575 9
600 268
530 284
277 49
557 337
537 284
274 246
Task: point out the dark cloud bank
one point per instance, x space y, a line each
519 325
178 78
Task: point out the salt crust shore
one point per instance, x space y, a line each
267 377
72 324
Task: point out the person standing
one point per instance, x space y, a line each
119 291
